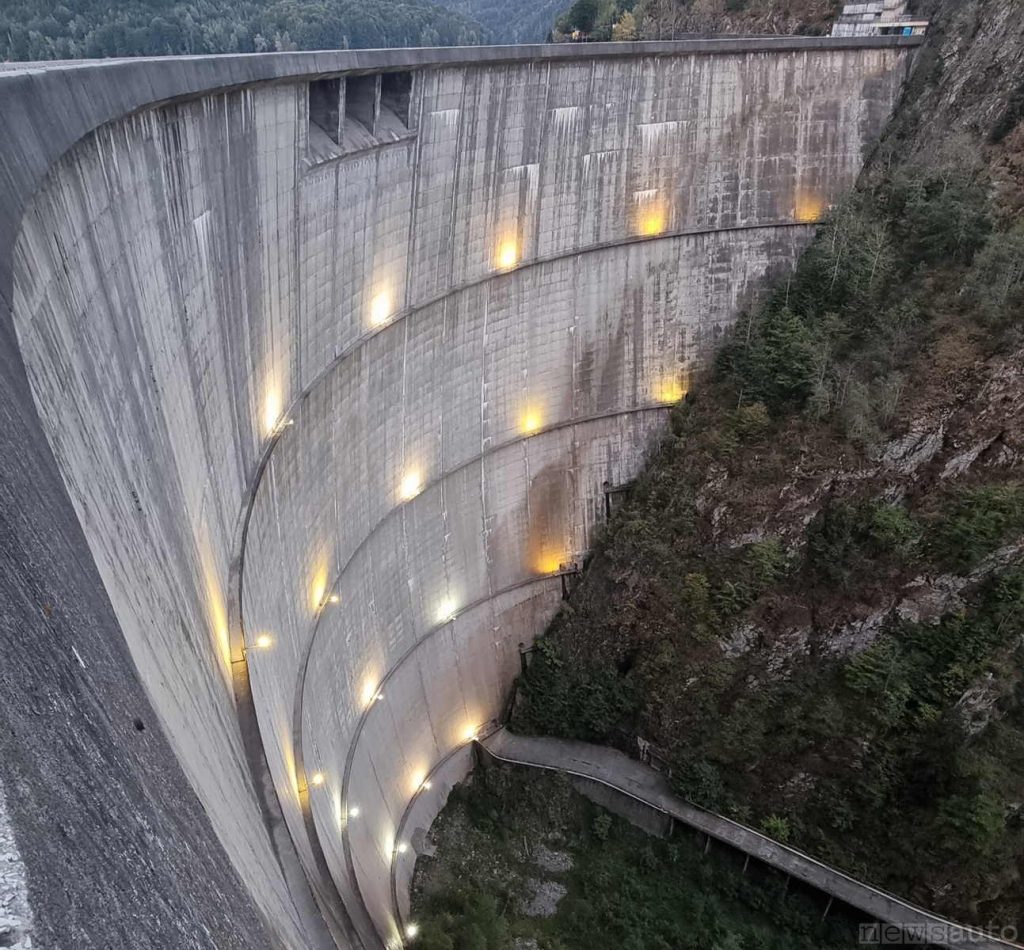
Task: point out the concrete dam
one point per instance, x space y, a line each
319 373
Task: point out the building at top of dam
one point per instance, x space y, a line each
317 372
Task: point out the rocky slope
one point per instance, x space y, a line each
812 607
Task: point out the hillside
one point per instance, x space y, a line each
811 605
85 29
521 21
664 19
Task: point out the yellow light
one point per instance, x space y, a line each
669 389
318 583
369 693
272 408
426 786
508 254
530 422
472 733
418 779
216 606
333 599
651 221
353 812
402 848
808 207
412 485
446 610
318 778
264 641
411 931
549 563
380 309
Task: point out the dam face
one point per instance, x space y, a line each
320 372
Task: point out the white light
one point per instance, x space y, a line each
318 778
446 610
370 693
264 641
272 409
412 485
426 786
353 812
411 931
380 309
402 848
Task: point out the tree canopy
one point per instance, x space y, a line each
85 29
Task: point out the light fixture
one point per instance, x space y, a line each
272 408
370 694
650 214
412 485
333 599
669 389
380 309
264 641
353 812
402 847
530 422
472 733
446 610
549 563
411 930
507 256
808 207
318 778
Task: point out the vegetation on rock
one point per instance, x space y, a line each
512 834
811 605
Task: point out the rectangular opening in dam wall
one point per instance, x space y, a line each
325 107
351 113
395 96
361 101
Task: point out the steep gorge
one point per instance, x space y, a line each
810 607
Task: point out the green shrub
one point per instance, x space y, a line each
767 561
770 359
941 212
892 530
700 782
974 523
996 283
777 828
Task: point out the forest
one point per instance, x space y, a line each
85 29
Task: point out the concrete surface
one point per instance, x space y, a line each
642 783
16 923
246 374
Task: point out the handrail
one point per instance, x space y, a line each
629 777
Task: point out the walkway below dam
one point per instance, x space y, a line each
643 784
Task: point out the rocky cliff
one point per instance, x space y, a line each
812 606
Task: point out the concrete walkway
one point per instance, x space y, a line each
641 783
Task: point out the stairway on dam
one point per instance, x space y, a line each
318 370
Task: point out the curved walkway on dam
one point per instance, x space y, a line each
617 771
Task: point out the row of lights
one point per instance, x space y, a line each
650 219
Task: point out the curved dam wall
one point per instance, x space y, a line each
337 356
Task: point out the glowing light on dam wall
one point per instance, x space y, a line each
337 368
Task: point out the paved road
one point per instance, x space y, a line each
618 771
